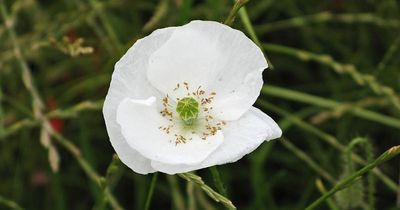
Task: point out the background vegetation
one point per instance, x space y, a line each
334 89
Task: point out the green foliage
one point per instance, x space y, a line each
335 77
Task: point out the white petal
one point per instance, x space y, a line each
129 79
126 154
140 121
241 137
215 56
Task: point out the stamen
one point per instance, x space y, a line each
188 108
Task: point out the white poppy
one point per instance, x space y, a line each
181 99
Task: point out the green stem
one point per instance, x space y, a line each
70 112
232 14
177 198
151 191
361 79
218 181
307 159
333 141
327 103
371 177
9 203
389 154
190 177
2 129
37 104
325 17
87 168
398 192
250 29
248 26
191 198
322 189
105 21
389 55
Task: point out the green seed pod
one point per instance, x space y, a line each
188 110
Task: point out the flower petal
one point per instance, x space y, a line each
241 137
140 123
216 57
126 154
129 79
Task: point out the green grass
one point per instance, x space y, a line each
333 87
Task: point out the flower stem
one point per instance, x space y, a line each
392 152
150 192
218 181
232 14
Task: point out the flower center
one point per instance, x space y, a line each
188 110
192 114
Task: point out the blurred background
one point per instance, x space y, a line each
334 90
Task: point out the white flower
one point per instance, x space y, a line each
181 99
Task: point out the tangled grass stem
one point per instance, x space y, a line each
70 112
389 154
333 141
38 106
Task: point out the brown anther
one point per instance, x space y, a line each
186 85
177 87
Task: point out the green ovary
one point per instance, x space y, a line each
188 110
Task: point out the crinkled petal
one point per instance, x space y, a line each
140 123
240 138
216 57
129 79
